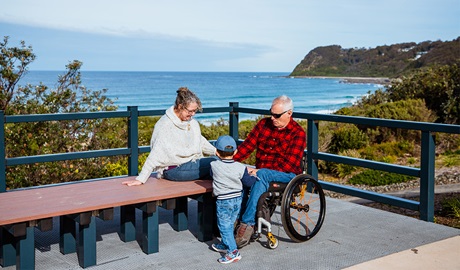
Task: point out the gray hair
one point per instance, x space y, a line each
285 101
185 97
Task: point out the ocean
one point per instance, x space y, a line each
157 90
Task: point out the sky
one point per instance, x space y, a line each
213 35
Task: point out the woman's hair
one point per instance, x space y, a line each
286 101
185 97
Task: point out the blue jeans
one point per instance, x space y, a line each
265 177
192 170
227 212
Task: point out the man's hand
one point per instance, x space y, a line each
132 183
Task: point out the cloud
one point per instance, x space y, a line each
133 51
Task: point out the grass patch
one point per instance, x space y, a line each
448 159
378 178
451 207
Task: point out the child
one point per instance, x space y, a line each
228 178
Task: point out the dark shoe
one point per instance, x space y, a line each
235 226
219 247
243 234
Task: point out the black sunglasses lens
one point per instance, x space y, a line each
277 115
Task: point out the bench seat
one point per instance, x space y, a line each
78 203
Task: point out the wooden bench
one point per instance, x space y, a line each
77 204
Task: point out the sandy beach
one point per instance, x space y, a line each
375 80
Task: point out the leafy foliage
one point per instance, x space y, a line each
344 170
438 87
215 130
385 151
13 65
347 137
451 207
378 178
146 125
41 138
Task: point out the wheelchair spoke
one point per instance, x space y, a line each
303 208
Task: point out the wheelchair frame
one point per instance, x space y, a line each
303 209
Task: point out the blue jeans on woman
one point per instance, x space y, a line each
192 170
227 212
265 177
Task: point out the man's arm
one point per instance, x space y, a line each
249 144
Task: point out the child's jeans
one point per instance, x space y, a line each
227 212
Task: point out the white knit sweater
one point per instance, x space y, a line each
174 142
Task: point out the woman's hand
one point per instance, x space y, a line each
132 183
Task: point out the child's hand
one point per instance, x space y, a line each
252 171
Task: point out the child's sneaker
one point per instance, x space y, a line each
219 247
230 257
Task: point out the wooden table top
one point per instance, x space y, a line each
46 202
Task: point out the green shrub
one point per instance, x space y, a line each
408 110
451 161
451 206
120 167
378 178
245 127
215 130
389 159
437 86
411 160
387 151
347 137
344 170
145 127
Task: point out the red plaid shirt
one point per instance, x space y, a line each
277 149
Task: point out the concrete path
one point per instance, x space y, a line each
444 254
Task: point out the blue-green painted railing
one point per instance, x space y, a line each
426 171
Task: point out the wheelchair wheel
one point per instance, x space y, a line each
303 208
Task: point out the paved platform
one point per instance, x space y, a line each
443 254
353 236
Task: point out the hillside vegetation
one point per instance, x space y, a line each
382 61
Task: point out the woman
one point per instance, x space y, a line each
177 146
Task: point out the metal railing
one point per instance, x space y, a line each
426 172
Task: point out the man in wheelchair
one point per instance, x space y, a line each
279 142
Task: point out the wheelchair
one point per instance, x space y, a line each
303 208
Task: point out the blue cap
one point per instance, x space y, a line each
226 144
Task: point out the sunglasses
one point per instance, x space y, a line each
277 115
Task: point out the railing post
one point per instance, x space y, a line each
427 182
312 148
133 140
233 121
2 153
